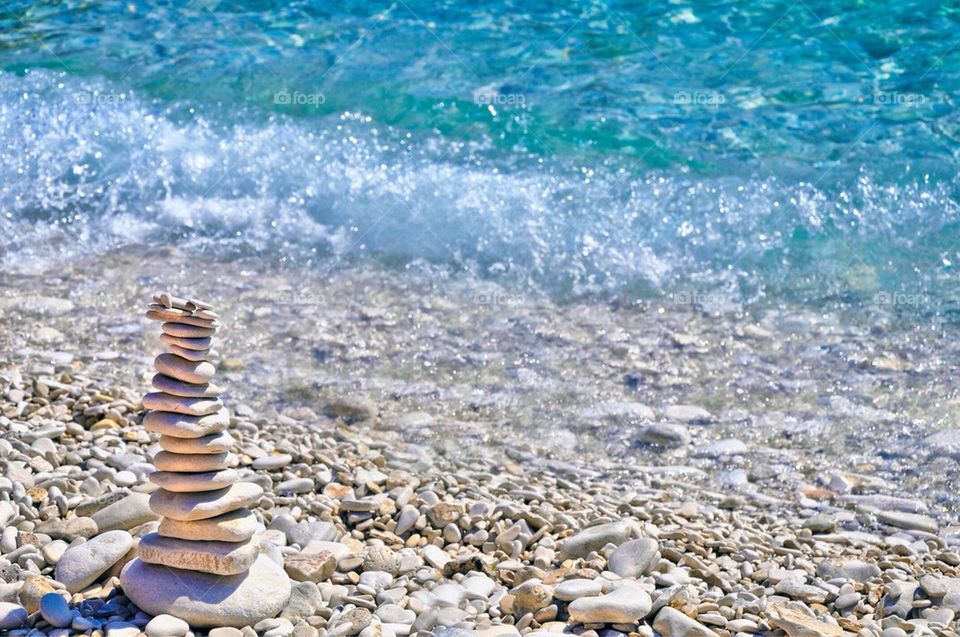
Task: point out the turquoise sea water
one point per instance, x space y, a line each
729 151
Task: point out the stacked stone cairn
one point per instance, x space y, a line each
204 563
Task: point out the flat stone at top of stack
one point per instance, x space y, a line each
203 564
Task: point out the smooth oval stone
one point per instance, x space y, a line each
196 344
81 565
55 610
214 443
197 372
222 558
235 526
194 463
194 355
188 319
182 330
623 605
205 599
166 626
168 423
206 504
181 482
181 405
176 387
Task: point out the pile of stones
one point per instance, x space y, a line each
204 555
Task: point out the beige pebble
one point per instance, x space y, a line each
207 504
235 526
190 406
212 443
188 371
196 463
168 423
182 482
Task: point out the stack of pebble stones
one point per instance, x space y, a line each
206 525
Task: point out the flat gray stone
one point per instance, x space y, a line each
205 600
167 423
166 626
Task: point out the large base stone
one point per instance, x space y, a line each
201 599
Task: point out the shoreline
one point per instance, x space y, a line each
772 403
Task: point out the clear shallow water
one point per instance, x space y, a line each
714 152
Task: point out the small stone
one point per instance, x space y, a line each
670 622
174 387
166 626
235 526
220 558
315 567
167 461
571 589
211 443
199 506
624 605
634 558
180 482
121 629
273 462
183 330
161 401
351 408
68 528
32 591
225 631
821 523
796 622
81 565
688 414
305 600
12 616
435 556
532 595
295 485
55 610
595 538
182 426
664 435
125 514
198 372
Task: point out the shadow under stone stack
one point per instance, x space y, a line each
206 550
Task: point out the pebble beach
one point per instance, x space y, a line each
417 482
